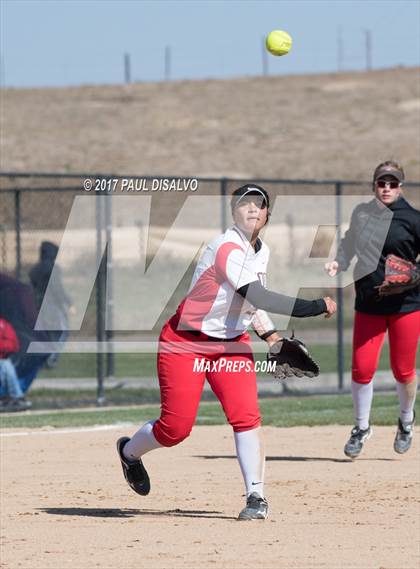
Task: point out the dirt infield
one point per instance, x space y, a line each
66 505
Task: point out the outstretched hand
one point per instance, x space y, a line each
331 306
331 268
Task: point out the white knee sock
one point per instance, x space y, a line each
141 442
407 395
250 453
362 394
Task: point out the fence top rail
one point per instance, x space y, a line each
222 179
91 175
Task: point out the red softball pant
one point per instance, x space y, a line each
368 337
181 385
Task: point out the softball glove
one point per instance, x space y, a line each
400 275
292 358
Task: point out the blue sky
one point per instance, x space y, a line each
73 42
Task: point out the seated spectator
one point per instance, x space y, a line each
13 398
17 306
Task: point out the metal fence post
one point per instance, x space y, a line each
110 358
3 247
18 269
223 194
340 342
99 305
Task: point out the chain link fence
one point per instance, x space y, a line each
39 207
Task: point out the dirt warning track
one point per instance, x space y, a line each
65 503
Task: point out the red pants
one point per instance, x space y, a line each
368 337
181 386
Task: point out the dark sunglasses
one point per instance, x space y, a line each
384 184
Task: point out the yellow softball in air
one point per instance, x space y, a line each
278 42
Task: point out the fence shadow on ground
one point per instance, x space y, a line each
295 458
131 513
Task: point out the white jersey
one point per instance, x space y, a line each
212 304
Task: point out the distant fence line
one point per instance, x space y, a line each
28 213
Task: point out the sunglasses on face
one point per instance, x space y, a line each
385 184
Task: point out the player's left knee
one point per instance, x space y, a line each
404 377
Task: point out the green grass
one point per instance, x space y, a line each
43 399
276 411
144 365
84 365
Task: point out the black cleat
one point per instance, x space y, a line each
134 471
404 436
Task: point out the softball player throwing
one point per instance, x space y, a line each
396 312
226 296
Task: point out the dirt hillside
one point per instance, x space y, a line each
317 126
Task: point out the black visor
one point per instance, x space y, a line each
249 189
